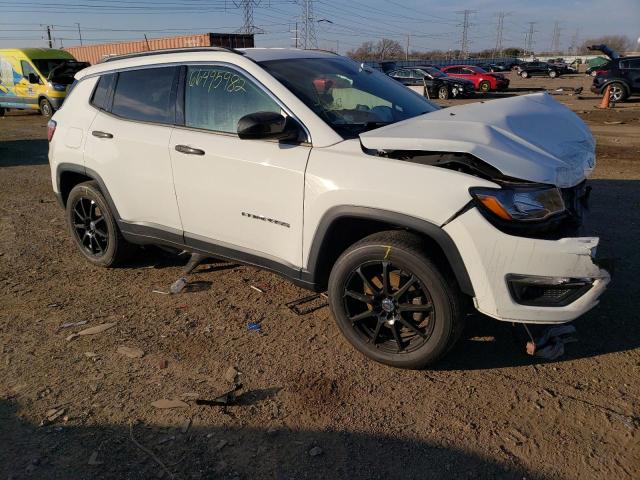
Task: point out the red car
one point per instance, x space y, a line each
484 81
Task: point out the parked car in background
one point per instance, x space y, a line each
598 70
562 66
623 75
493 67
531 69
437 83
484 81
338 178
35 78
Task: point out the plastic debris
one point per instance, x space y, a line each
165 404
254 327
550 345
178 286
130 352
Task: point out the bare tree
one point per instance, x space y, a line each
384 49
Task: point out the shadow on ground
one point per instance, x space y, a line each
60 451
23 153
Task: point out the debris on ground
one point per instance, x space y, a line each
92 330
72 324
149 452
93 459
130 352
177 286
226 399
618 122
257 289
166 404
550 345
162 364
52 415
184 428
254 327
91 355
315 451
308 304
231 375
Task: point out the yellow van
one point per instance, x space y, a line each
35 78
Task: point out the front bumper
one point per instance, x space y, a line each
491 256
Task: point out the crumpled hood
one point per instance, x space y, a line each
529 137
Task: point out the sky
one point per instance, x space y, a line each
339 24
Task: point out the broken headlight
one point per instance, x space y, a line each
522 204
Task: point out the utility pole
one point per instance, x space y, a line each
406 56
309 39
466 24
499 34
49 36
295 39
79 33
573 46
555 38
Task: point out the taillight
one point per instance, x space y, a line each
51 129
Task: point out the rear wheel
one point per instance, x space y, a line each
484 86
553 73
443 92
391 302
45 108
524 74
2 111
93 226
617 93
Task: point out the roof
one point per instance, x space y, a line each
41 52
265 54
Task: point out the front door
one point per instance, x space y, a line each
242 196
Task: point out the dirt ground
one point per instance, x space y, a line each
487 411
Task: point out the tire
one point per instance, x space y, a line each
443 92
484 86
377 324
2 111
46 110
553 74
98 239
524 74
618 92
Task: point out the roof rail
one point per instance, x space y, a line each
170 50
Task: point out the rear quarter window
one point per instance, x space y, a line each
102 92
145 95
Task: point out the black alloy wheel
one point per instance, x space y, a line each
90 226
389 307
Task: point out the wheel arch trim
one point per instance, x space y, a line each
424 227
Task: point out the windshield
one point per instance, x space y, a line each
349 97
434 72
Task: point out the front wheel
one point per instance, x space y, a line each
553 73
524 74
485 86
392 303
45 108
93 226
443 92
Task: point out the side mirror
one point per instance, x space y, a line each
33 78
268 126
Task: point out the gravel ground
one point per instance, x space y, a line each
310 407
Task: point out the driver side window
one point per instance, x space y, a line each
216 97
27 69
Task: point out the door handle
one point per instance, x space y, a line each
189 150
99 134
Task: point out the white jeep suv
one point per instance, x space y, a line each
339 178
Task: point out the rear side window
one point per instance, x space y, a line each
145 95
635 63
102 93
217 97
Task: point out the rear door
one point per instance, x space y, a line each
242 197
128 146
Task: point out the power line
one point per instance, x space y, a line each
555 38
247 12
500 33
528 43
